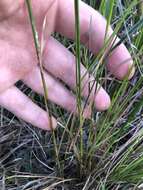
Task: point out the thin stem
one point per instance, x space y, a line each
39 58
78 73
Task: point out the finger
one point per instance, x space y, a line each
19 104
57 93
62 65
92 27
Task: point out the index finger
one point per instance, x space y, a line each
92 31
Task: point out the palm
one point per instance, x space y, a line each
18 58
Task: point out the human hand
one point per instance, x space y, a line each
18 57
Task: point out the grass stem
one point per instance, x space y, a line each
39 58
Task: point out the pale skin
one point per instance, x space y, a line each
18 58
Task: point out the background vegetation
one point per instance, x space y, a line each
103 153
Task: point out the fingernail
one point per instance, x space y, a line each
132 72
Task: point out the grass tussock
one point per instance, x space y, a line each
102 153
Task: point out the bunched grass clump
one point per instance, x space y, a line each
104 152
